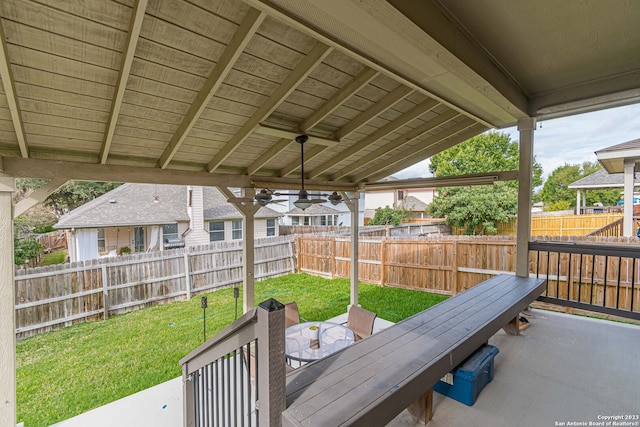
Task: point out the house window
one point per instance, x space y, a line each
138 239
271 227
216 231
307 220
236 230
170 231
101 241
295 220
323 220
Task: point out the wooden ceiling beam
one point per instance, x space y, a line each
50 169
292 134
299 73
250 24
397 123
38 196
388 101
135 25
432 145
357 83
308 155
12 98
398 142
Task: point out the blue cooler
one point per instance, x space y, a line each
466 381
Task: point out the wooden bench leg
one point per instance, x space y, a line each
513 327
422 408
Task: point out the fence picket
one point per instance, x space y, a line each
48 298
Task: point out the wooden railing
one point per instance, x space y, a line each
592 277
237 378
610 230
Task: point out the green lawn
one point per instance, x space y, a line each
70 371
56 257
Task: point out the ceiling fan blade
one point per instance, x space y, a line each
317 200
240 200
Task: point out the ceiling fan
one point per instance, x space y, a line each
304 201
265 196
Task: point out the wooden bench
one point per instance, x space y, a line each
374 380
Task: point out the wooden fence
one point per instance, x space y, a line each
51 297
446 265
560 225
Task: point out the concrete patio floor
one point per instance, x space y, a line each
562 369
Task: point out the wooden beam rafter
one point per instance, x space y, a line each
388 101
404 139
12 97
38 196
357 83
123 76
250 24
385 130
300 72
449 137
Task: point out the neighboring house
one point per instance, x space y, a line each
414 199
292 215
146 217
315 215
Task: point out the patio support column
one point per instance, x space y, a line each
351 201
248 211
629 174
578 206
7 306
525 175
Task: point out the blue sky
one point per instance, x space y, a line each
569 140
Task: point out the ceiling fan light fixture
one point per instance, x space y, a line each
303 201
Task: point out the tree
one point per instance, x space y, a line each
388 216
479 209
556 193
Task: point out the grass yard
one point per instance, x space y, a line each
56 257
67 372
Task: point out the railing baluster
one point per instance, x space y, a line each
593 274
569 277
618 291
558 277
604 289
580 278
633 282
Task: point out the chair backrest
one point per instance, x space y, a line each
361 321
291 314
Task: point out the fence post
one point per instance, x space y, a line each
298 254
187 275
454 268
292 256
105 291
333 257
270 357
383 257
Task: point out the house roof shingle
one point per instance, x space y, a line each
133 204
601 179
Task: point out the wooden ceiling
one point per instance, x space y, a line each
215 92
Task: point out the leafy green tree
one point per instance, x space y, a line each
388 216
25 249
556 187
479 209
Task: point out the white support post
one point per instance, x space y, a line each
629 174
352 202
248 210
8 407
578 206
187 275
525 177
